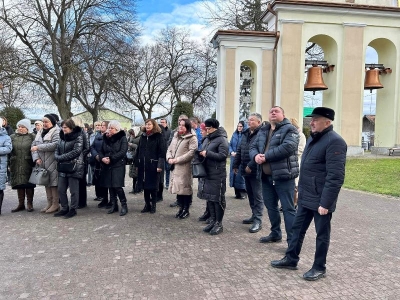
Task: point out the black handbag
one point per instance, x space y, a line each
39 176
67 167
198 169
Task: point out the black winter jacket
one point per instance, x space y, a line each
322 170
213 187
114 147
282 150
150 155
242 158
70 149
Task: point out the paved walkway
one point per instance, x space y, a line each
143 256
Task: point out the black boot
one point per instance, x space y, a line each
212 218
153 206
147 208
1 199
219 214
114 201
103 203
186 202
206 214
178 214
124 207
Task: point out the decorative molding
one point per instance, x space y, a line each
291 21
354 25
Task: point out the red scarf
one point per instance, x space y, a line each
149 132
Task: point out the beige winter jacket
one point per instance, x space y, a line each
183 149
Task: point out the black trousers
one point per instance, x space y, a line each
82 192
302 221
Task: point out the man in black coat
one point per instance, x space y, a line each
275 150
249 170
322 176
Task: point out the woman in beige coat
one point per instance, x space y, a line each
179 155
43 150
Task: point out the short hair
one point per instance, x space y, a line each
69 123
194 120
97 123
188 126
86 125
39 122
163 119
156 127
105 122
115 124
277 106
257 115
78 121
131 131
183 117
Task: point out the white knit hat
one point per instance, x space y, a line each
26 123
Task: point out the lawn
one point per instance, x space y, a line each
380 176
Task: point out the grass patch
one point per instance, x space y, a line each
381 176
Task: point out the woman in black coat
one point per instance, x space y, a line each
215 150
150 161
70 166
100 191
113 159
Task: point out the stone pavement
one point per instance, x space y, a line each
143 256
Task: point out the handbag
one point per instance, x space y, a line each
198 169
66 167
39 176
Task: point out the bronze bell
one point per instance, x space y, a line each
314 81
372 80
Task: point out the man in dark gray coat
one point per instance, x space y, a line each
275 150
321 178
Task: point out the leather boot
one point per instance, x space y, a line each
114 207
153 206
102 203
1 199
48 196
178 214
55 201
212 218
21 201
29 199
206 214
124 207
186 202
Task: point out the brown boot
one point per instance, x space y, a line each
29 199
55 205
21 201
49 197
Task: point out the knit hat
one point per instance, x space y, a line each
212 123
51 118
25 123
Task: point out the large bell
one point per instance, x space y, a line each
314 81
372 80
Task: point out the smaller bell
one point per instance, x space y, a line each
372 80
314 81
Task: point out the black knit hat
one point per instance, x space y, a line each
51 118
55 117
212 123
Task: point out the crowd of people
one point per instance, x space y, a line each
266 158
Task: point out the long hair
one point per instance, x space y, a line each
155 129
188 125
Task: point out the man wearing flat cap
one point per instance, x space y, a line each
321 178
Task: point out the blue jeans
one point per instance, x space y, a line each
301 223
254 193
273 191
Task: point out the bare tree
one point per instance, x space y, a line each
47 35
142 81
237 14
